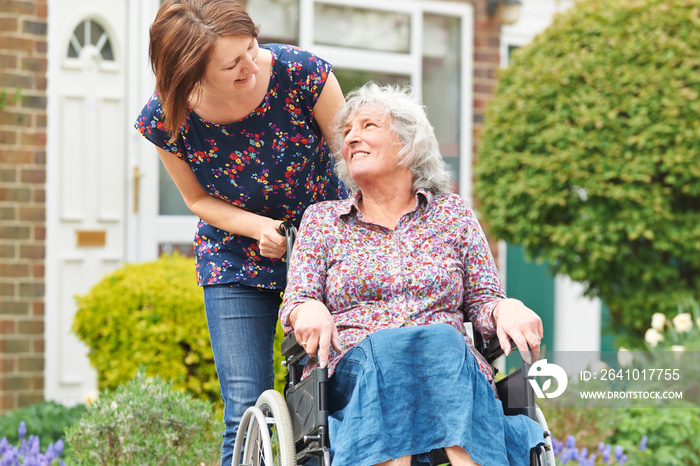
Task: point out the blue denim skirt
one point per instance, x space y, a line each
411 390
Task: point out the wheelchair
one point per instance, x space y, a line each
293 430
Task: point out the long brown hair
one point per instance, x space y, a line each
182 39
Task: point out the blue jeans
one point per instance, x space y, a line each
242 323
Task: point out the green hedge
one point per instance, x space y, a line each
47 420
590 149
152 315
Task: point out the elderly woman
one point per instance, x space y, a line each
378 290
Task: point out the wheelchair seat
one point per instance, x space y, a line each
308 403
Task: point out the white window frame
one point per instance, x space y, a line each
410 63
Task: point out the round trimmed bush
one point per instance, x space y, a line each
152 315
590 149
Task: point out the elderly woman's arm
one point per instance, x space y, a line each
486 304
303 310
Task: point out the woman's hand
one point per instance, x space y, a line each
516 321
272 244
315 330
221 214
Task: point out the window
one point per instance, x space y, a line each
90 34
426 44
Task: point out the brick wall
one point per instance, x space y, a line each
487 42
23 64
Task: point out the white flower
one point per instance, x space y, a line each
625 357
678 348
90 397
658 320
113 405
697 321
653 337
683 322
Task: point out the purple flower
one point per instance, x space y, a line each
557 446
607 452
601 447
22 431
58 447
4 446
618 452
583 454
643 443
622 460
570 441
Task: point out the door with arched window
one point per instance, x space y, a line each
86 172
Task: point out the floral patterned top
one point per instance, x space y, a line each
434 267
274 162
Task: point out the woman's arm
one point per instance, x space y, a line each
303 309
486 303
327 106
221 214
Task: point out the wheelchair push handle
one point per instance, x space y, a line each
290 232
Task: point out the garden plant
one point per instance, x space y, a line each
152 315
145 422
149 314
47 420
27 451
588 157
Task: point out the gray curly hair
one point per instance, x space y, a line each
408 119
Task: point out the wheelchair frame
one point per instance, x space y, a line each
300 424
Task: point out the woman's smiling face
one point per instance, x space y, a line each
370 147
232 66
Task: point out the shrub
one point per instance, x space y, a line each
28 451
589 154
149 314
145 422
152 315
47 420
672 436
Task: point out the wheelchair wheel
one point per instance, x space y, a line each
269 440
547 457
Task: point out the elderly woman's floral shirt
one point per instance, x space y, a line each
434 267
274 163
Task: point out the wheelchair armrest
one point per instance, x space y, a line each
516 393
491 350
291 347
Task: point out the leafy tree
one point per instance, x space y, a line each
590 154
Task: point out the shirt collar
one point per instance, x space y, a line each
350 206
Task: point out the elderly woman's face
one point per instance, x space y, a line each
370 147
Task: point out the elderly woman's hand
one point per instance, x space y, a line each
315 330
516 321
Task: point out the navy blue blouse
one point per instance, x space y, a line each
274 163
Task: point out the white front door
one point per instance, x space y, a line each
158 220
86 183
